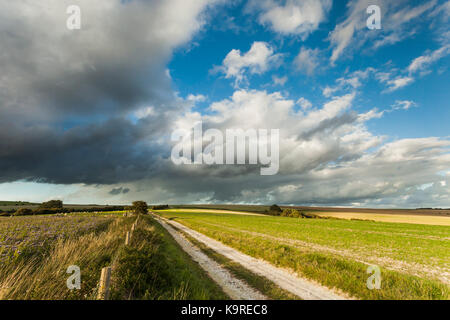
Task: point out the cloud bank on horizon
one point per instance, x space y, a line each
86 115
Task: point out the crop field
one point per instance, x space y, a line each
37 250
20 235
414 258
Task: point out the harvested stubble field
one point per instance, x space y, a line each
414 259
438 220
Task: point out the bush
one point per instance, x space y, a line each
52 204
292 213
309 215
23 212
161 207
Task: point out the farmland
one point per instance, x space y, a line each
37 250
414 258
384 217
27 235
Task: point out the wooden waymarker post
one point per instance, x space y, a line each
128 238
105 279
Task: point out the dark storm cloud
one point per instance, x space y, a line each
66 96
117 191
96 154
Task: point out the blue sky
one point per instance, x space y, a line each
87 114
192 65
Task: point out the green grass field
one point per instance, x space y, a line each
414 259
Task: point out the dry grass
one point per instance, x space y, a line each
44 277
152 267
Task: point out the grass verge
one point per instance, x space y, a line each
155 267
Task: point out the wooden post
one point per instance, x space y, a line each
128 238
105 279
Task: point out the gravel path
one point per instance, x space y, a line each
286 280
233 287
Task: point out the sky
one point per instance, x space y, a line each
86 115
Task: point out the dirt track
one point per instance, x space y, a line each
233 287
302 288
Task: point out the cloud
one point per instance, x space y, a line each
304 103
65 96
396 25
293 17
102 68
327 156
95 109
257 60
420 63
403 105
395 79
350 81
196 98
281 81
398 83
328 91
117 191
307 60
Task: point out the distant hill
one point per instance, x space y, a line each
17 203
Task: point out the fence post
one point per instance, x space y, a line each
105 279
128 238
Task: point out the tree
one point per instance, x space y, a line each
52 204
275 210
140 207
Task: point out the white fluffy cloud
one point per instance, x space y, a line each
293 17
398 83
257 60
327 156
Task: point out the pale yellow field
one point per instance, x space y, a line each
211 211
415 219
